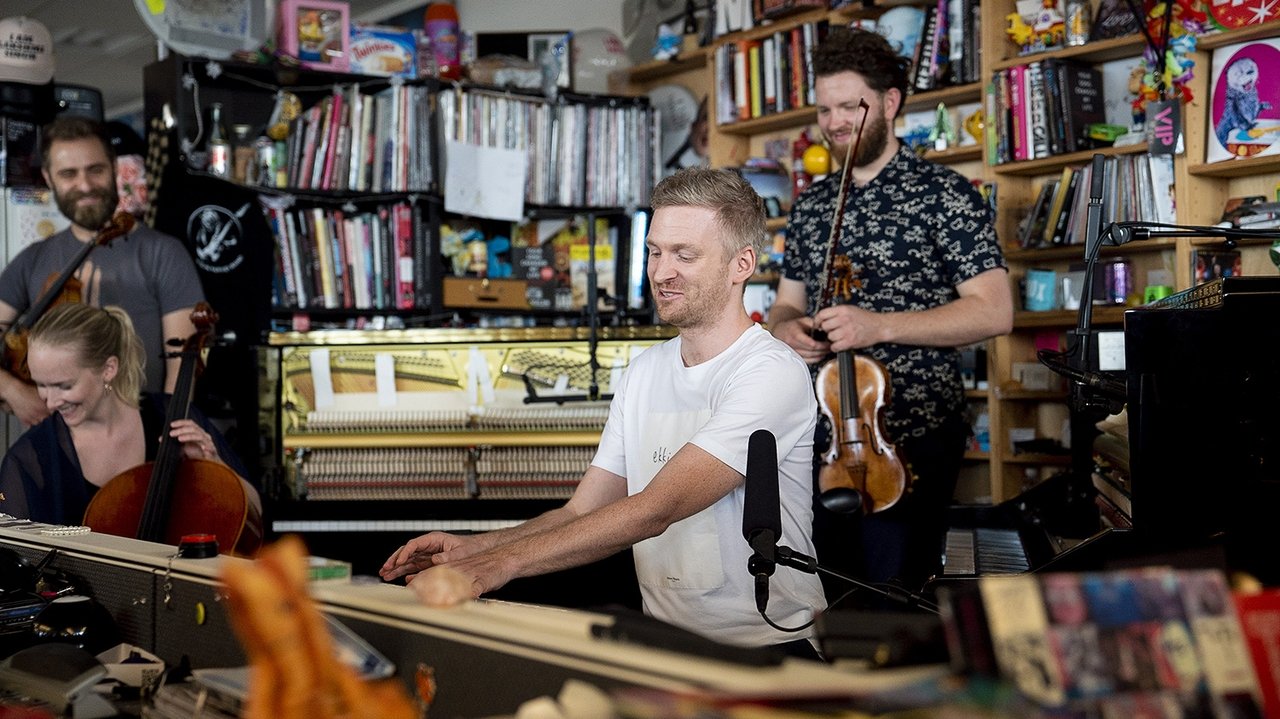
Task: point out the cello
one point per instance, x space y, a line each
60 287
861 470
171 496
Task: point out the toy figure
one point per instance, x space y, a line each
667 44
943 134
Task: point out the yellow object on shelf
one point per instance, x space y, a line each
816 160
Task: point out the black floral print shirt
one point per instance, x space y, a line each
913 233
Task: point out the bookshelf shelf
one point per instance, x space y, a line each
784 120
1243 34
1024 319
971 92
1068 252
1037 459
1045 165
1239 167
955 154
1030 395
1097 51
685 61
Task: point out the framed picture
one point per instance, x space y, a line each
317 32
558 43
1244 103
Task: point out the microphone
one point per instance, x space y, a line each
762 511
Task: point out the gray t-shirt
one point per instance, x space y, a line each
147 273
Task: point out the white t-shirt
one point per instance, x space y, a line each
694 574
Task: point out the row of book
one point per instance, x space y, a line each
359 141
333 258
1135 187
762 76
941 38
1042 109
579 154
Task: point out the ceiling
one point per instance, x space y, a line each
104 44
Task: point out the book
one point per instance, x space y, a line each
1244 103
1058 236
1259 615
1056 204
1134 642
1080 89
1034 223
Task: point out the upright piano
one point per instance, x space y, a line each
1201 466
381 436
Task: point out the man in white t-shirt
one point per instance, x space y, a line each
667 479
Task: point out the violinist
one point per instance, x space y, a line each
149 274
928 278
88 364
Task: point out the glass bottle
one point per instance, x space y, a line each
242 155
218 146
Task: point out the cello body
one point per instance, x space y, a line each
208 498
860 457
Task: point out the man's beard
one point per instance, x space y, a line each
91 217
875 137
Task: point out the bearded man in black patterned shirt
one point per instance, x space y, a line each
929 278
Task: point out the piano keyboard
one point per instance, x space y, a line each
984 550
391 525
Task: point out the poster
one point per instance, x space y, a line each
1244 107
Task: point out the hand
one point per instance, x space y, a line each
196 443
28 408
422 553
797 333
445 585
849 327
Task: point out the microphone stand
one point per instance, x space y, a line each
768 554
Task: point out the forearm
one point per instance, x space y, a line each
544 522
964 321
584 539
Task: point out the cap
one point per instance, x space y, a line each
26 51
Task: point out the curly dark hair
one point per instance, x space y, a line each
867 53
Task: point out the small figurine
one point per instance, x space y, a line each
943 134
667 44
976 124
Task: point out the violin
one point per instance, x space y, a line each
171 496
861 470
59 288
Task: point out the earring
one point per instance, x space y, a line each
106 386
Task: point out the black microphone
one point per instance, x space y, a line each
761 508
762 511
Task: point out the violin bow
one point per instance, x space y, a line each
842 195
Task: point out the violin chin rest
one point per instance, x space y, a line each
841 500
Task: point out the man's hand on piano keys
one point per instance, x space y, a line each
424 552
442 586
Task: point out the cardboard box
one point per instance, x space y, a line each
485 294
